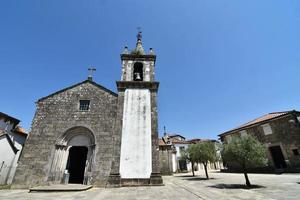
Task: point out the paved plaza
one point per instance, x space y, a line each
184 186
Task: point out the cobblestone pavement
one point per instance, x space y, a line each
183 187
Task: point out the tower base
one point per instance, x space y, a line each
155 179
115 180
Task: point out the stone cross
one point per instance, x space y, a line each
91 71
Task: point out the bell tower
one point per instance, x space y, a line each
136 159
137 65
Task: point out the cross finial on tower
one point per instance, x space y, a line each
91 71
139 48
139 35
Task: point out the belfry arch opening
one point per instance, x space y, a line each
138 71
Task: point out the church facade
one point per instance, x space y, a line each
87 134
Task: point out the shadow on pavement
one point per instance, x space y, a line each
197 179
185 176
235 186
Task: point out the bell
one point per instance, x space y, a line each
137 76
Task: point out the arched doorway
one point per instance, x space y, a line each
73 157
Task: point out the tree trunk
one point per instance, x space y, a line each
205 167
247 179
193 168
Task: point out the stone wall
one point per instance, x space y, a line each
58 113
165 159
285 133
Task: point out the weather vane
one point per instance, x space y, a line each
91 71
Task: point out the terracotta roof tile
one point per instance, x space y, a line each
161 142
195 140
20 130
175 141
263 118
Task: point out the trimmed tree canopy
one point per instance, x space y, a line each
246 152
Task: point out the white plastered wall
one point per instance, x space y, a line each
136 149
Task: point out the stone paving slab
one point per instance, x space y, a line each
61 188
222 186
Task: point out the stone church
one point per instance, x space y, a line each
87 134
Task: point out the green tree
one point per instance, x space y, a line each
203 152
245 152
206 153
188 155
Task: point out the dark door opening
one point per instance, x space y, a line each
76 164
182 165
278 157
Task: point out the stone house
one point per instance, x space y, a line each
88 134
170 147
280 133
12 139
166 151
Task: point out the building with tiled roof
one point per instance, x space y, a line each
170 148
12 139
280 132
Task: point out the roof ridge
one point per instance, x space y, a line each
245 124
261 119
10 117
77 84
281 112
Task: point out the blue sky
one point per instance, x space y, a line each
220 63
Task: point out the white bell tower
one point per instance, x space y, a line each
137 119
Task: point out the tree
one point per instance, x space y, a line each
245 152
203 152
188 155
206 153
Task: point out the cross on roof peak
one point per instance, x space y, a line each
91 71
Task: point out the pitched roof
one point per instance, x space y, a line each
175 135
21 131
6 116
195 140
83 82
262 119
175 141
161 142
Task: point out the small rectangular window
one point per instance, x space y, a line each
84 104
296 152
267 129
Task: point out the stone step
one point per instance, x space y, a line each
61 188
